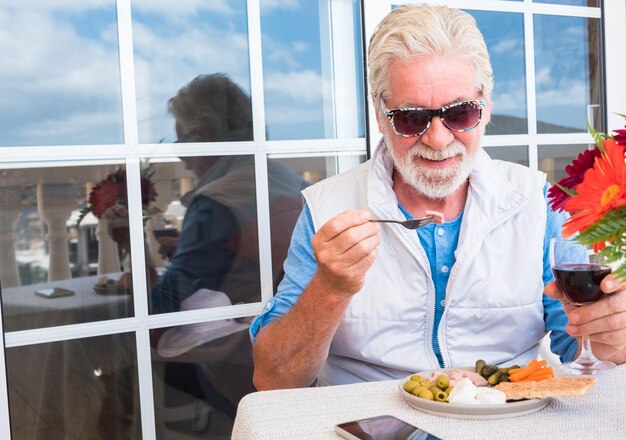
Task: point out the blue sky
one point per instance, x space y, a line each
62 85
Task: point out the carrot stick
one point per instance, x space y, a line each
538 377
532 366
546 371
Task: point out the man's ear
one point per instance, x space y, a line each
380 117
487 112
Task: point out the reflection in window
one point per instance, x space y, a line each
200 373
83 388
173 44
44 247
312 66
516 154
567 67
554 158
504 35
211 220
61 82
591 3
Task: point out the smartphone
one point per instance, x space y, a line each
382 428
54 292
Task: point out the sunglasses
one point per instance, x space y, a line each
458 117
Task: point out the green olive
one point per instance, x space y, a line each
410 385
441 396
426 394
448 390
417 390
416 378
443 381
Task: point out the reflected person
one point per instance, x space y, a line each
216 258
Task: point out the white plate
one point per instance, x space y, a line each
457 411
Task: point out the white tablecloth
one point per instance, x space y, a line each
312 413
76 389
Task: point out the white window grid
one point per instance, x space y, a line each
613 14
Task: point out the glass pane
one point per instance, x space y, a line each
554 158
46 253
79 389
504 35
568 83
312 67
592 3
208 204
200 372
517 154
175 43
286 207
61 82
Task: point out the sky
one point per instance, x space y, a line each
61 82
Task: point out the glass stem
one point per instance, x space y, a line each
586 355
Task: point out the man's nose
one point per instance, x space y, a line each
438 136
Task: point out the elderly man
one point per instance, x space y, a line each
366 302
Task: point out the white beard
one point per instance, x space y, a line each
434 183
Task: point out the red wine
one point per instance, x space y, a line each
580 283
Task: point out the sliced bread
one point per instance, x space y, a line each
555 387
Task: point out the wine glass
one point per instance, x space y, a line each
578 272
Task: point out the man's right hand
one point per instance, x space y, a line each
345 247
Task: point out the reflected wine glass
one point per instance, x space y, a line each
578 272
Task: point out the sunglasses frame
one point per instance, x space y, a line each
480 103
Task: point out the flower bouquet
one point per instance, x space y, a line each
594 194
112 191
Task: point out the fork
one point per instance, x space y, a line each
409 224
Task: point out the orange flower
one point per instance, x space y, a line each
603 189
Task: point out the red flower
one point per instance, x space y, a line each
112 191
105 194
575 173
620 137
602 190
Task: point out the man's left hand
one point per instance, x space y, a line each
604 321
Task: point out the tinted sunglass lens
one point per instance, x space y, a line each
462 117
410 122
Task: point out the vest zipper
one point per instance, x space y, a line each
431 284
452 283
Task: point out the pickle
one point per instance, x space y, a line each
506 369
494 379
488 370
480 363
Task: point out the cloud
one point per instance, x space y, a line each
303 86
509 98
54 74
269 5
506 46
181 8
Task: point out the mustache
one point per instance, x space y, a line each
420 149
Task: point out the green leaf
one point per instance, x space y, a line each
82 214
570 192
610 228
598 138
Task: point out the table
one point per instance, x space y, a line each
23 310
76 389
312 413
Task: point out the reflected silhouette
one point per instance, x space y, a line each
214 259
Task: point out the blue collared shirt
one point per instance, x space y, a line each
439 242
